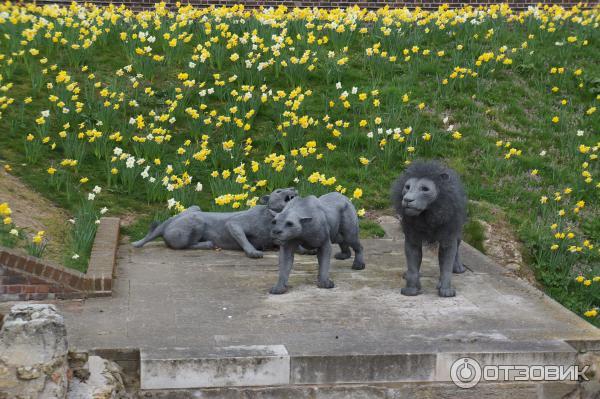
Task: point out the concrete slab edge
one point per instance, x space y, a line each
183 370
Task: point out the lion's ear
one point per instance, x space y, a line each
264 200
444 176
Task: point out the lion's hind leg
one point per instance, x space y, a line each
345 251
359 260
197 235
458 266
202 245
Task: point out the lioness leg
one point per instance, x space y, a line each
324 258
286 261
345 251
359 261
202 245
176 237
414 255
238 234
303 251
458 266
446 257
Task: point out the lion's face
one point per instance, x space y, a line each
287 226
279 198
417 195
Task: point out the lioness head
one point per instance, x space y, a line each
287 225
279 198
418 194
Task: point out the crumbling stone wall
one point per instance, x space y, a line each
33 353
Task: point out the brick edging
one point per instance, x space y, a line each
103 259
59 281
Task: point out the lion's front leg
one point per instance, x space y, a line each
286 261
446 257
237 233
324 257
414 255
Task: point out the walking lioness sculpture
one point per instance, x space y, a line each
315 223
248 230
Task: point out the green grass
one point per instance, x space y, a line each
370 229
509 103
474 234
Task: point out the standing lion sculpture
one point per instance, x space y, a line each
432 203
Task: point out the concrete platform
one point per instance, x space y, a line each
207 316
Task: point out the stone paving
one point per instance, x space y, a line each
193 298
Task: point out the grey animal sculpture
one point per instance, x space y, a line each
248 230
432 203
315 223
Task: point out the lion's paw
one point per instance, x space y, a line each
447 292
458 268
358 265
278 290
326 284
410 291
255 254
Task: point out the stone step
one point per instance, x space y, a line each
533 390
273 365
217 367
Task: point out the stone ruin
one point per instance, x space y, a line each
35 361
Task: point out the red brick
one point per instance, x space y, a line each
10 272
56 274
35 280
86 284
14 289
47 272
3 257
65 277
73 281
20 264
12 280
107 284
28 289
11 261
29 265
38 268
42 289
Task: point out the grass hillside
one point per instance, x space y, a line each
143 114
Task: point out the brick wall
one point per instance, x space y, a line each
24 278
17 286
429 4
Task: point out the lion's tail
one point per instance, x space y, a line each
156 230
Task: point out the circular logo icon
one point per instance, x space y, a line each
465 372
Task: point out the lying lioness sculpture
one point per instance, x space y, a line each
248 230
315 223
